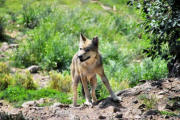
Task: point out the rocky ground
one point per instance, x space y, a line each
145 101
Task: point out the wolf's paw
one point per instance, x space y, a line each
88 103
116 98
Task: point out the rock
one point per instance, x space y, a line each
142 106
1 103
4 46
56 105
119 116
102 117
33 69
41 101
135 102
174 106
116 109
162 92
13 46
60 105
75 117
158 84
152 112
29 104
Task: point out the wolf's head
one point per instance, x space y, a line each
88 49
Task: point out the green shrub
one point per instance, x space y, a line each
148 70
60 82
25 80
32 14
5 78
5 81
4 68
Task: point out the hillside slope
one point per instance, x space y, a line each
157 100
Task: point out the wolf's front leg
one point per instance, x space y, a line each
93 82
74 86
86 90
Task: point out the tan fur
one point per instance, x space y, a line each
86 63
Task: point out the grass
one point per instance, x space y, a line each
18 95
53 29
149 101
168 113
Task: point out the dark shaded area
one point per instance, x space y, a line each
5 116
2 36
104 103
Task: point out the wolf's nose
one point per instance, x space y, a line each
80 56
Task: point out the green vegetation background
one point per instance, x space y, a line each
53 28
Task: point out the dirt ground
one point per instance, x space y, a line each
145 101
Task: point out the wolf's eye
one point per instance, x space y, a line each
87 50
80 48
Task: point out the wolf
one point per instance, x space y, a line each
86 64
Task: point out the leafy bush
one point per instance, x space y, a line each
5 78
32 14
25 80
162 22
60 82
5 81
148 70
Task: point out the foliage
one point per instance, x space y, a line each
5 77
31 15
60 81
149 100
162 22
25 80
17 95
54 35
148 70
168 113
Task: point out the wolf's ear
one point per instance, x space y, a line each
95 41
82 37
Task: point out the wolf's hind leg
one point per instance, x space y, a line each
93 83
106 83
76 80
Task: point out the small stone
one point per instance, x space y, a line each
119 116
116 110
29 104
142 106
33 69
1 104
152 112
102 117
135 102
75 117
13 46
166 117
41 101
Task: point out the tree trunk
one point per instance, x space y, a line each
174 64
